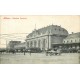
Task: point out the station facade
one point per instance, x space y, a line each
46 37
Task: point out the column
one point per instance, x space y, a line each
49 42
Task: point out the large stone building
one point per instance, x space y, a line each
12 44
20 46
46 38
72 40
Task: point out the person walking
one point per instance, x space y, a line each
24 51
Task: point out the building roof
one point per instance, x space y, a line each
73 35
51 29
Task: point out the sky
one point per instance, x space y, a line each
26 24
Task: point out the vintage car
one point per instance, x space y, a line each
53 52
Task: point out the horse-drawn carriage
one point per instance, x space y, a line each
53 52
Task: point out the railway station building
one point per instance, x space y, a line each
47 37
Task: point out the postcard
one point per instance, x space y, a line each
40 39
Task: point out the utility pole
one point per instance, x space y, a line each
35 29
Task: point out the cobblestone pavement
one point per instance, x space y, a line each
39 58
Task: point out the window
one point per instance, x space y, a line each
27 44
44 44
67 41
39 43
64 41
31 44
35 43
71 40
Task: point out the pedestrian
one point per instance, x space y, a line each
24 51
59 51
30 53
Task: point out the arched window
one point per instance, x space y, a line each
44 43
35 43
67 41
28 44
71 40
31 44
39 43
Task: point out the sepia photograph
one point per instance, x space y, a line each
40 39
